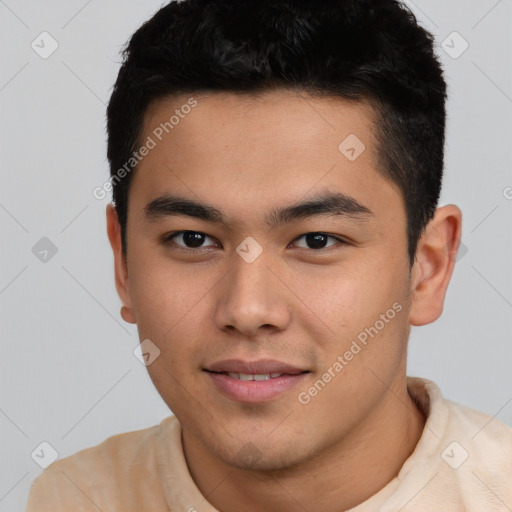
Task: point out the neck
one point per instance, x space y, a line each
339 478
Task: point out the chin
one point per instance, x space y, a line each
263 456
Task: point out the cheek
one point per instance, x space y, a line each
168 314
171 306
366 308
347 299
161 291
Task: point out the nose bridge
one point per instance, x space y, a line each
252 296
250 277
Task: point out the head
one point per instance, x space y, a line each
263 122
356 50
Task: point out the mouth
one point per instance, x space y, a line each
256 381
252 376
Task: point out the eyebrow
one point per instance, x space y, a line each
329 204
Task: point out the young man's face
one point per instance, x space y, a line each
254 297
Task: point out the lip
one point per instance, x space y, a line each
260 366
254 391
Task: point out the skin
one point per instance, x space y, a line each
245 155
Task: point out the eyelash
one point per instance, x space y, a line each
167 240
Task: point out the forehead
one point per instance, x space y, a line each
235 116
249 151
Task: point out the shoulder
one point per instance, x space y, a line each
478 455
476 447
466 451
458 420
487 436
455 417
462 416
103 473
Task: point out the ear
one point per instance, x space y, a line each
433 264
120 265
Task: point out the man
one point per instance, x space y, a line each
276 168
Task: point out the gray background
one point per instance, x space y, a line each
68 375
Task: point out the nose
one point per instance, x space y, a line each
253 298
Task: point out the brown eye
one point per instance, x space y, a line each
318 241
187 239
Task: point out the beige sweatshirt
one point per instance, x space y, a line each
462 462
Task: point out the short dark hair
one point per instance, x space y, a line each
371 50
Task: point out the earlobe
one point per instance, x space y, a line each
127 315
434 263
120 266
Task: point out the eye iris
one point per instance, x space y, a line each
316 240
193 238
